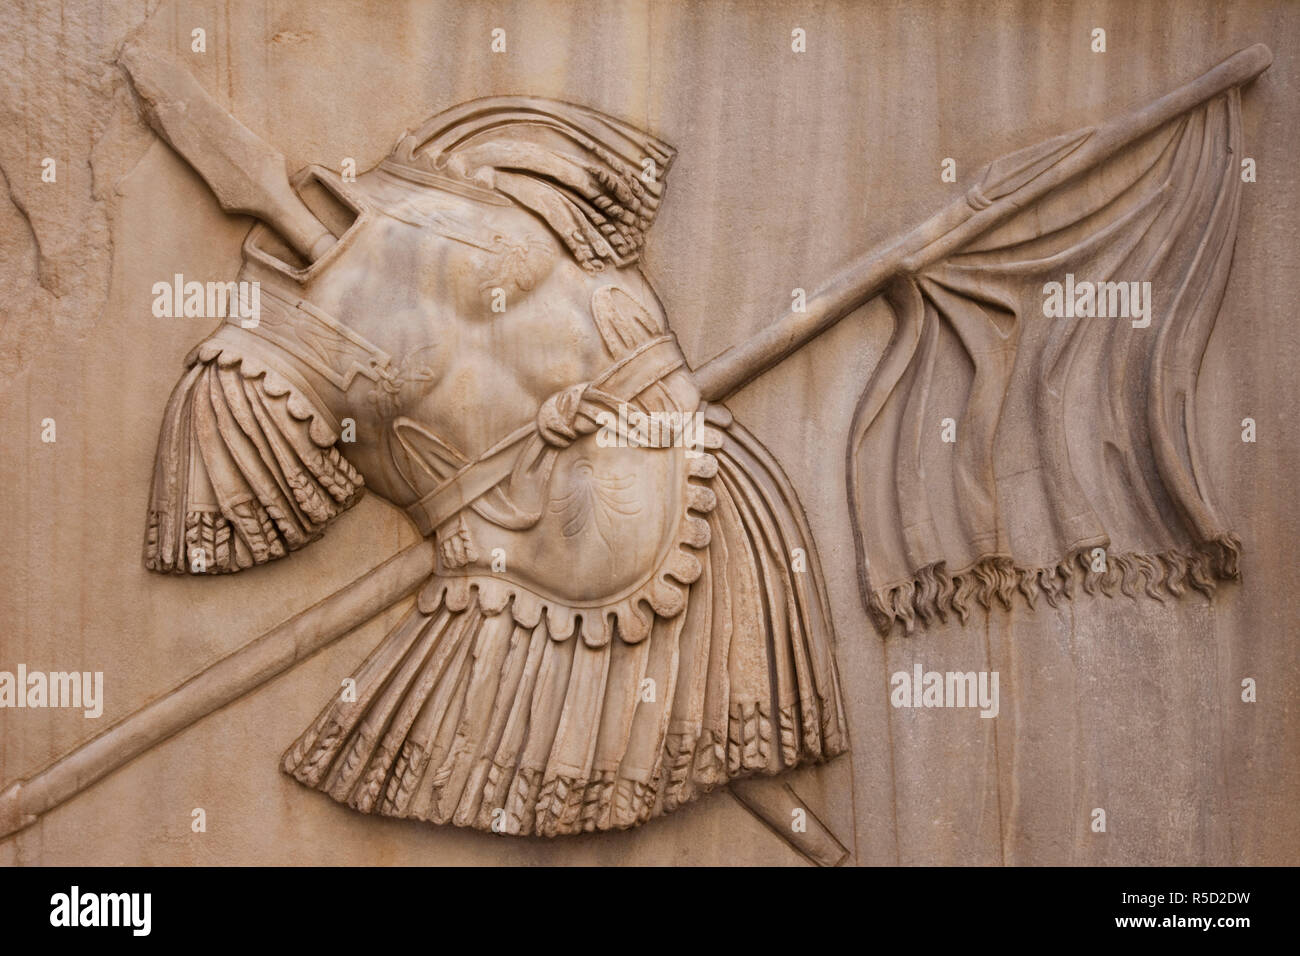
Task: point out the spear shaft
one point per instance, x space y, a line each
1006 186
218 685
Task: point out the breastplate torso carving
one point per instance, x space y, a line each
441 328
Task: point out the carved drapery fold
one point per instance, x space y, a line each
1101 452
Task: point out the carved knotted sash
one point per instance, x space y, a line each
599 534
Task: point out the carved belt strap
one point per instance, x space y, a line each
621 382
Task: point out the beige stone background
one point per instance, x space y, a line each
788 166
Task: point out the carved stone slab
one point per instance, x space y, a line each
743 435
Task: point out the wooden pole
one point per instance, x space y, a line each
218 685
1002 192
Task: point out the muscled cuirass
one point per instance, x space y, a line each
500 393
610 627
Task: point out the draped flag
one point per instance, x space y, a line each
1031 425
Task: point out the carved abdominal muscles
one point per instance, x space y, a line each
612 627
